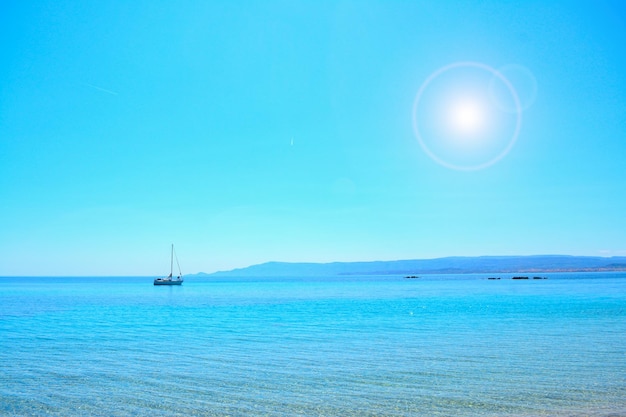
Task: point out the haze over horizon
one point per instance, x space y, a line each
307 132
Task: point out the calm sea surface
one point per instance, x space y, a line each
441 345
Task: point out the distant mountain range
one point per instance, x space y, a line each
449 265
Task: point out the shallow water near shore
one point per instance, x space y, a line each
440 345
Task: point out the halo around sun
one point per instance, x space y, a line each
459 116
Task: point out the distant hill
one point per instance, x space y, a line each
449 265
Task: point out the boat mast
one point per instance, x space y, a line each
172 261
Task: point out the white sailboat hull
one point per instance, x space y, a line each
161 281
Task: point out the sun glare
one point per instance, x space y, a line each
458 119
467 116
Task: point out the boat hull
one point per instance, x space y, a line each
168 282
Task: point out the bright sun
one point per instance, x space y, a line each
467 116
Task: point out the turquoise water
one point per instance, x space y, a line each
331 346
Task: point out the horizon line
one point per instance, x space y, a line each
314 263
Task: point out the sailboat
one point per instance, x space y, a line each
169 280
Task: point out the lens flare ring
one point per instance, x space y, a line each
494 73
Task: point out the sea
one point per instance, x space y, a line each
437 345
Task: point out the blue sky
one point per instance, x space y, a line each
254 131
